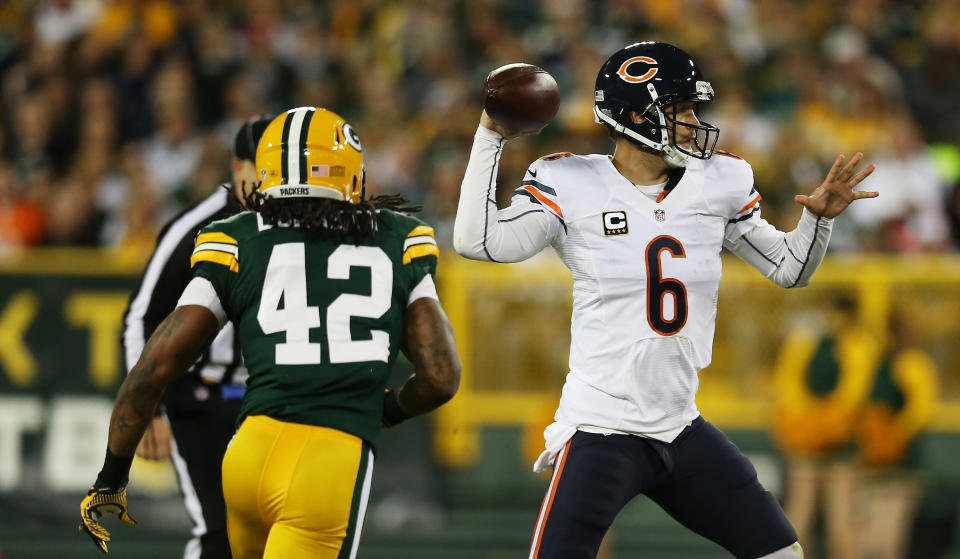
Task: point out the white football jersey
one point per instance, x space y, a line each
645 273
645 280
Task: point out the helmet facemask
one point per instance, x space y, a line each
659 127
701 143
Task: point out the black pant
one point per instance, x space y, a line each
203 424
701 479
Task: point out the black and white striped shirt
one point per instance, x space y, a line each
164 279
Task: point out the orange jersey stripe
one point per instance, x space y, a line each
662 195
727 154
751 204
548 501
546 201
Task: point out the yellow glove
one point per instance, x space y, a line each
100 502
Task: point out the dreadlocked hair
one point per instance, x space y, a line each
325 217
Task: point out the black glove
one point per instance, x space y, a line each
392 413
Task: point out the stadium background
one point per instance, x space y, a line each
116 114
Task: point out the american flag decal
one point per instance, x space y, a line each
319 170
660 215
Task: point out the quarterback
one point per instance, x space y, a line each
324 287
642 231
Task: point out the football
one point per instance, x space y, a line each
521 97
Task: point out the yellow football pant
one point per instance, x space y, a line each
295 491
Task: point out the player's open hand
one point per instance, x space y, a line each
836 192
507 133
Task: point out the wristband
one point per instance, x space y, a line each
115 472
392 413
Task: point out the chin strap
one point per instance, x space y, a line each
673 157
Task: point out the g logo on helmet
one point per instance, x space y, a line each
352 138
632 78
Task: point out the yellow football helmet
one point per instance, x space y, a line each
310 152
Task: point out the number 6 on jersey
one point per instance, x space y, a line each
658 287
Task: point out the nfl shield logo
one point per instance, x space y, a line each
660 215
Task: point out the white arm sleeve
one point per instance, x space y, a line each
201 292
787 259
426 288
481 232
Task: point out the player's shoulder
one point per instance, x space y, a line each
415 237
238 227
556 181
731 189
567 162
401 224
220 241
557 169
726 172
726 165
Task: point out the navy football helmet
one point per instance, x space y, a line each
648 78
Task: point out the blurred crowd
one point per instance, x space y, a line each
853 400
116 114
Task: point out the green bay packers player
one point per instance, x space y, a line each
324 287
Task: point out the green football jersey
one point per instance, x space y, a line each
319 321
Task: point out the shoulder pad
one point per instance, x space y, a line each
734 176
217 247
538 184
556 156
420 242
419 238
219 242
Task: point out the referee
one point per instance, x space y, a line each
199 409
